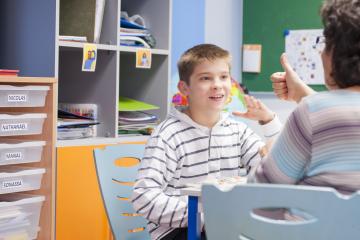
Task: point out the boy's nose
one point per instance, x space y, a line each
217 83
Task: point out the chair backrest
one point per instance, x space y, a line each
230 214
116 168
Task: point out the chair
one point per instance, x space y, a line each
229 214
116 168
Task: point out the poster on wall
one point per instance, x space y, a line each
304 54
251 58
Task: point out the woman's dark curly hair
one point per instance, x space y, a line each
341 19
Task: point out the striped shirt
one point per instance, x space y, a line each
319 145
181 151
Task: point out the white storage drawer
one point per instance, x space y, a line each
21 124
23 96
20 214
17 179
16 151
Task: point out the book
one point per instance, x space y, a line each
128 104
136 117
88 110
8 72
132 30
125 23
72 120
99 14
77 120
73 38
133 41
75 123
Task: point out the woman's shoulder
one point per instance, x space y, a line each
330 99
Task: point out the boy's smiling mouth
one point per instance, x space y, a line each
217 97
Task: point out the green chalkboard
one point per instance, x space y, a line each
264 23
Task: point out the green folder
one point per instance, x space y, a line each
128 104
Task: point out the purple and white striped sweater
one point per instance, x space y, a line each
319 145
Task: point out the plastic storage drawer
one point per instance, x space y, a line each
20 214
23 96
17 179
16 151
21 124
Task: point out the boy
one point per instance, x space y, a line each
195 144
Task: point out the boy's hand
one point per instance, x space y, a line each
288 85
263 151
256 110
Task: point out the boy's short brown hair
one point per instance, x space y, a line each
197 54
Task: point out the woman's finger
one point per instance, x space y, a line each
279 85
278 77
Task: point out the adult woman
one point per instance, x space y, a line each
319 144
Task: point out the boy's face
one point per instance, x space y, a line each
209 86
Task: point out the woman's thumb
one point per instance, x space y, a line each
285 64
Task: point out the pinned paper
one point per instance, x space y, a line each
304 55
89 57
251 58
143 58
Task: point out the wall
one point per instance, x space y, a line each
188 30
223 27
28 36
206 21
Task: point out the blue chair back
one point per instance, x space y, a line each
116 168
326 214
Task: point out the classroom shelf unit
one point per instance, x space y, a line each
47 162
30 42
116 74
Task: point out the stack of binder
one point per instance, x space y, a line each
74 124
133 32
133 118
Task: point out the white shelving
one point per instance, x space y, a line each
116 74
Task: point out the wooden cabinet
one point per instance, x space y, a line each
47 188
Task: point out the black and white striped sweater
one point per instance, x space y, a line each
181 151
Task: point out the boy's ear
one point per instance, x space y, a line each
183 88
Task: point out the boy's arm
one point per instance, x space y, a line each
156 170
252 152
253 148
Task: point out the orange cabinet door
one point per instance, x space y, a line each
80 214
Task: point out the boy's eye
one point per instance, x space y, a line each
205 78
225 77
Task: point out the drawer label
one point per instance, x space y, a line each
13 156
17 98
14 127
16 183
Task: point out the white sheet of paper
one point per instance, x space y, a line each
251 58
303 56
